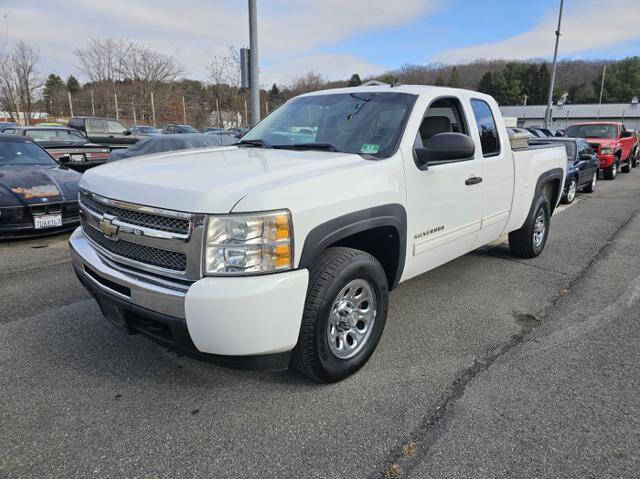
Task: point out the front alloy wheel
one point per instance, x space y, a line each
344 314
571 192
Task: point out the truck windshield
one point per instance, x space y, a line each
369 123
592 131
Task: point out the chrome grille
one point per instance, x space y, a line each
139 218
144 254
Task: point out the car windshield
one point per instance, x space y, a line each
56 135
592 131
362 123
186 129
570 146
18 153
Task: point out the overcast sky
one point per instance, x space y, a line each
332 37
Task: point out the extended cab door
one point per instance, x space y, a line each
444 201
627 140
97 131
117 134
497 167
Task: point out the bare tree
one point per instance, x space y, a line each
19 81
118 65
220 72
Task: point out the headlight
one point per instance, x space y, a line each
249 244
606 150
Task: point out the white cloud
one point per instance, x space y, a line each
330 65
589 25
290 31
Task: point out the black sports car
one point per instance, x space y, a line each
37 195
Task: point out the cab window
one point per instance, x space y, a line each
115 127
487 129
444 115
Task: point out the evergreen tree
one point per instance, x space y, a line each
355 80
486 84
453 78
275 91
73 85
439 80
53 84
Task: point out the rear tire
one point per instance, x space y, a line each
611 172
627 168
529 241
341 324
591 187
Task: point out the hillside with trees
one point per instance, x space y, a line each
139 79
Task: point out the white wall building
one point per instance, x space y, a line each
564 115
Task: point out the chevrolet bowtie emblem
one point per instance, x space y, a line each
107 227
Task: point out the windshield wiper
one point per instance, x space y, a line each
258 143
308 146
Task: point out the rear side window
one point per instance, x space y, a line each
115 127
487 129
97 126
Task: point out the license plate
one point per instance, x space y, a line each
47 221
77 157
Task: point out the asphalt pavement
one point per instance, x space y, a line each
489 366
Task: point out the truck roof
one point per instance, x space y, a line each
411 89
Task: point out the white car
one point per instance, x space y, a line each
282 250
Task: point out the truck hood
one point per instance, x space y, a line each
601 141
210 180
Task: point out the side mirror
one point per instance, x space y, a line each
625 134
445 148
64 159
585 157
127 132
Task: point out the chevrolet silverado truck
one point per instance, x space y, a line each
614 144
282 249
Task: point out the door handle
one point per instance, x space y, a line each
474 180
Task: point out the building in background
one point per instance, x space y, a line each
567 114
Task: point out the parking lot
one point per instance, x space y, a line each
489 367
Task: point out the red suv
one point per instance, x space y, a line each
615 145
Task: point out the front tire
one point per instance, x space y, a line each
529 241
611 172
591 187
571 192
344 314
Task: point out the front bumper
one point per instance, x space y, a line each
17 222
251 321
606 160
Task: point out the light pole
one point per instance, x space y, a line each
547 116
253 52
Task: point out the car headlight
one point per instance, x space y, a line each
606 150
249 244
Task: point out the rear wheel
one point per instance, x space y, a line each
591 187
344 314
529 241
634 158
627 167
611 172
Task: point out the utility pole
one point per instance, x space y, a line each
115 99
526 98
604 71
547 116
153 110
70 104
133 107
184 111
253 52
93 106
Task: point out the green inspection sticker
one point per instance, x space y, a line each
370 148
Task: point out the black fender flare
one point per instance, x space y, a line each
544 178
325 234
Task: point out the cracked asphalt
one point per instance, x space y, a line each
488 367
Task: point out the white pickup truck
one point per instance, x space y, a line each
281 250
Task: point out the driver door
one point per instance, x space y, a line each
444 201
